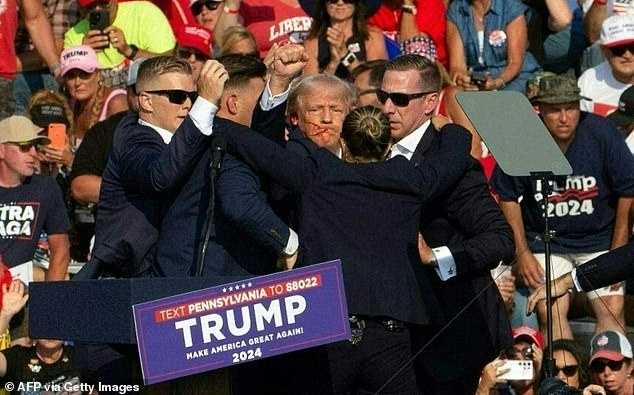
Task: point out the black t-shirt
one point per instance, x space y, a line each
92 154
23 366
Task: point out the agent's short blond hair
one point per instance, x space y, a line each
159 65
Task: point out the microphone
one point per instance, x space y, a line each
218 148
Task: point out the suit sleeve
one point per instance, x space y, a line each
488 238
290 170
270 123
593 274
147 166
244 204
438 173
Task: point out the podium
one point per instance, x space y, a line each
100 310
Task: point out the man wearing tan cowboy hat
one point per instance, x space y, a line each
30 204
588 210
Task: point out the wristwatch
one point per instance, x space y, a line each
409 9
348 59
433 261
134 51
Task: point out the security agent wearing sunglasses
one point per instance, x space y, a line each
463 232
152 154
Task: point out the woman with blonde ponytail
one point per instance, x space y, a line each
91 100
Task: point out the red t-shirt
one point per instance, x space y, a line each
274 22
430 20
8 27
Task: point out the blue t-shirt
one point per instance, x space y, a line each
581 206
26 211
499 15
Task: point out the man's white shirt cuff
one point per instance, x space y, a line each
293 243
202 114
446 264
573 273
268 101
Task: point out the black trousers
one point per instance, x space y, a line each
379 363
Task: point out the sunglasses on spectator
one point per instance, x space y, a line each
569 370
176 96
211 5
345 1
512 353
599 366
186 53
399 99
620 50
74 73
25 146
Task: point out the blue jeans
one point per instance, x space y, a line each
29 82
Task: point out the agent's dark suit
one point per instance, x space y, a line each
142 172
365 215
469 222
246 235
593 274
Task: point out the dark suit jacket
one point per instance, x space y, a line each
365 215
468 221
142 172
595 273
246 235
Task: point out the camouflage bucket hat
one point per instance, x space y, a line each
558 89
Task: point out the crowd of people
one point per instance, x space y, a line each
345 140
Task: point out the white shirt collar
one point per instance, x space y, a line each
407 145
166 135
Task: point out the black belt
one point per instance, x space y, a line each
359 322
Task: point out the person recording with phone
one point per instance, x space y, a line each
503 374
121 33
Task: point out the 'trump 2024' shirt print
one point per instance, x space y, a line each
571 197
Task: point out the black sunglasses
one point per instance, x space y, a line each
569 370
399 99
599 366
512 353
211 5
176 96
74 73
25 146
186 53
620 50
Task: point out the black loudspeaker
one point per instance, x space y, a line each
100 310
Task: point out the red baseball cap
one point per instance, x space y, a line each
533 335
86 3
195 37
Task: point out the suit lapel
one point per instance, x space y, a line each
423 145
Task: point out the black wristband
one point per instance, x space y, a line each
135 50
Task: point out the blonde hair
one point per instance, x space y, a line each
51 97
233 35
366 133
